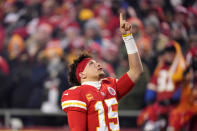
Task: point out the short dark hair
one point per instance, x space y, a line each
72 69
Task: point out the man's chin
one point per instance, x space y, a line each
102 75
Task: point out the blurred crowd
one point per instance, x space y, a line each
40 38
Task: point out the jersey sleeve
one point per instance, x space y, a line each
124 85
73 100
76 120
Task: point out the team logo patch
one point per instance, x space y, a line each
89 96
111 91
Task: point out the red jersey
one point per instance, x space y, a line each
162 83
100 105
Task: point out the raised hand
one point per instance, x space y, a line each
125 27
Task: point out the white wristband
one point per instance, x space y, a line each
130 44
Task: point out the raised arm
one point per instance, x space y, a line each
128 80
135 65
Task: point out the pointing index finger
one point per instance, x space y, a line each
121 18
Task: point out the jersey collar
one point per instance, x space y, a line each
96 84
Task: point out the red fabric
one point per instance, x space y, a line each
76 120
81 66
152 112
178 118
193 10
2 37
124 85
73 94
4 67
193 51
147 114
22 31
160 79
113 24
98 103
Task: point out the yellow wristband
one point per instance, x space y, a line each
130 43
125 35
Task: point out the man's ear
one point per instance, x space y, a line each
82 75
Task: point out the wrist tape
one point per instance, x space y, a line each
130 43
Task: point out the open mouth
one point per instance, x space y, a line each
100 69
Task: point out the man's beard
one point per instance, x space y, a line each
102 75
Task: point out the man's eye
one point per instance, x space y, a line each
91 63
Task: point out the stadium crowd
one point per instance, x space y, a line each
40 38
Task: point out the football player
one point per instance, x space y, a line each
92 103
164 89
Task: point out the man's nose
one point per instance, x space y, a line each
98 64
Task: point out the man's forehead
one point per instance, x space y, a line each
92 60
89 62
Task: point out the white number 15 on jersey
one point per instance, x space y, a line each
111 114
